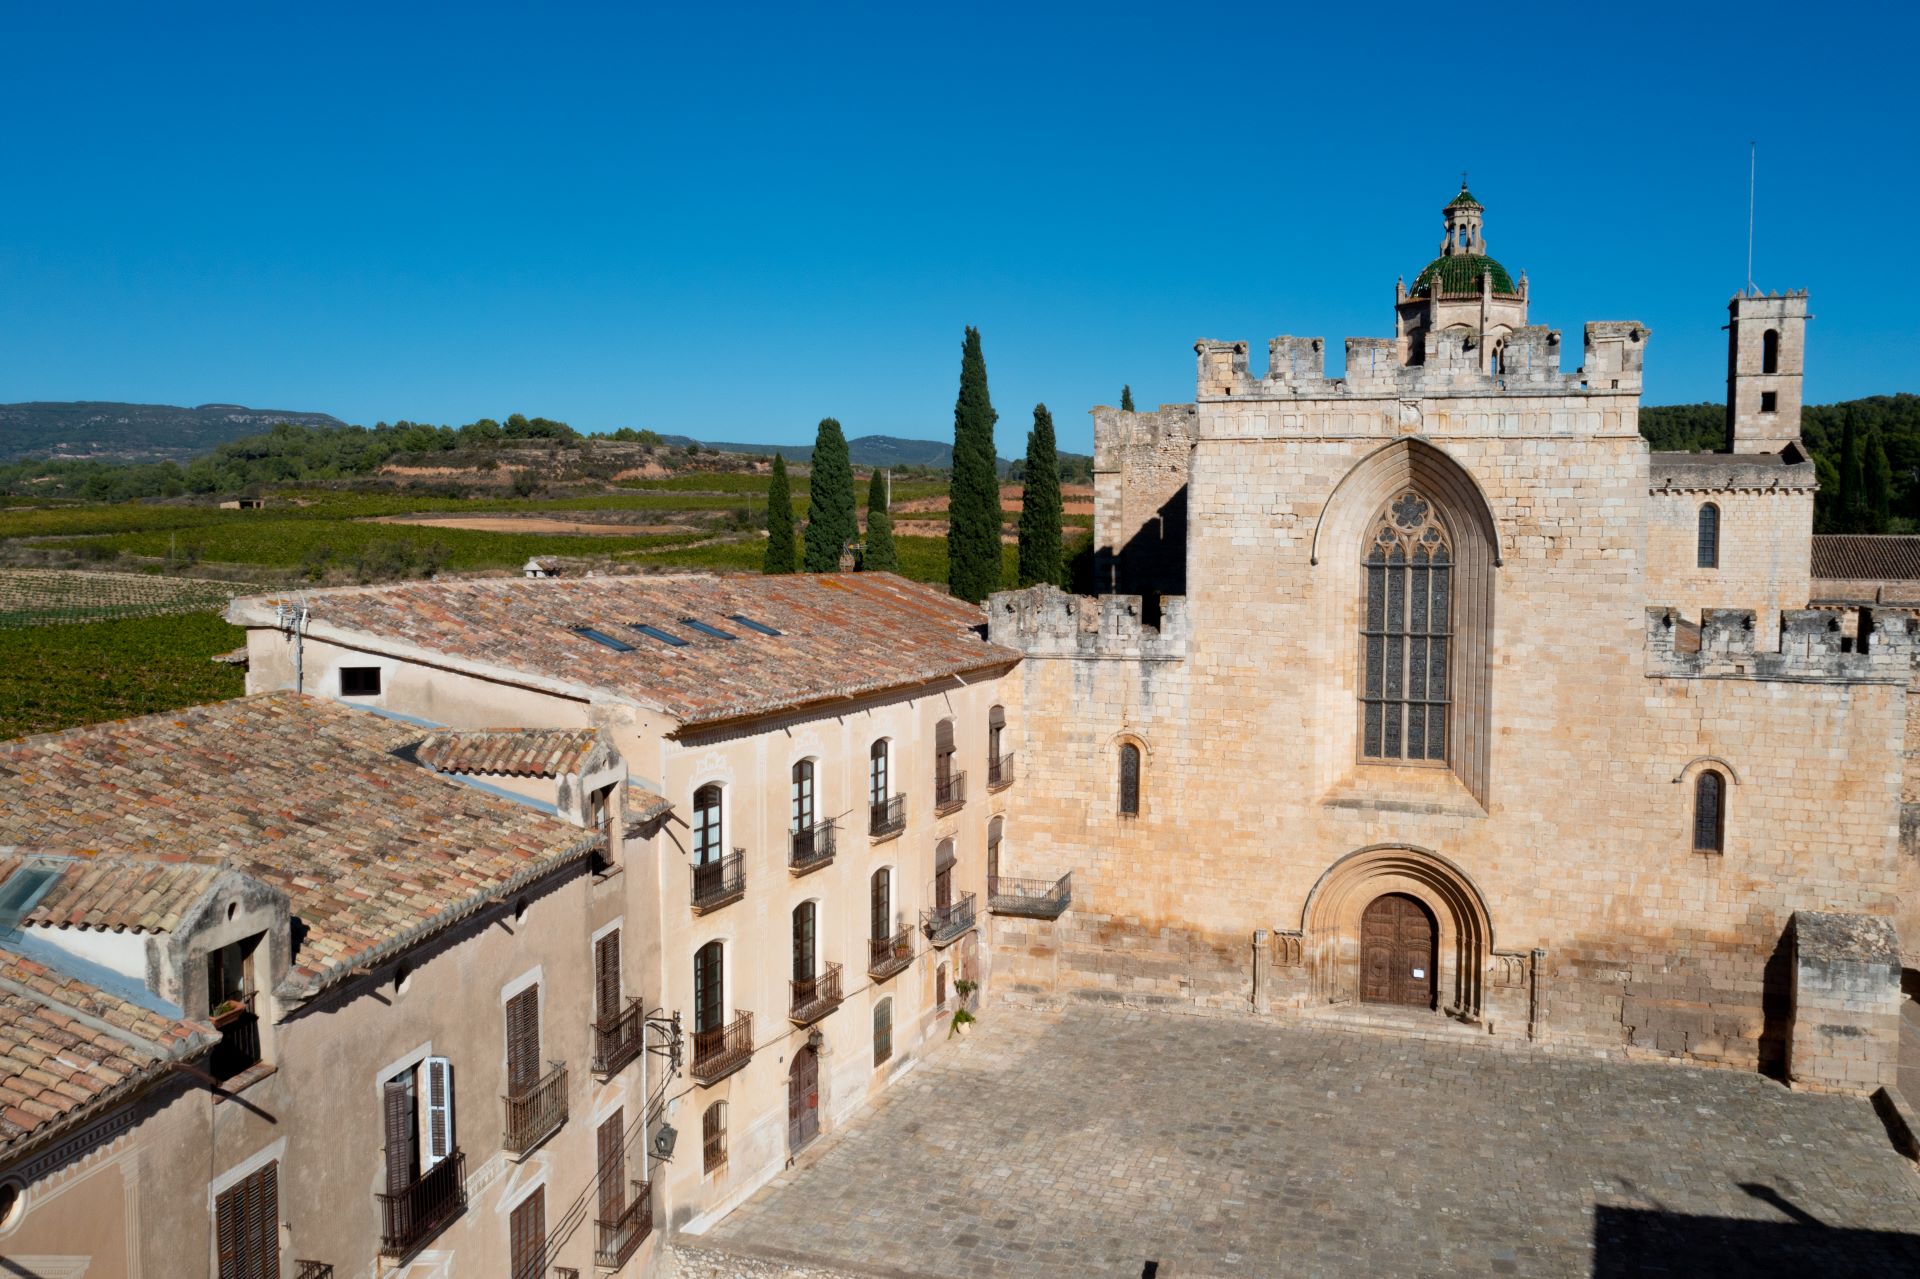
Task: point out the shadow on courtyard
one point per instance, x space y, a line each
1636 1242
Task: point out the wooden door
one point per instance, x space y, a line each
1397 952
803 1100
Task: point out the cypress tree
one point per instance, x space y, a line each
831 522
779 521
973 509
1126 399
1040 555
1879 476
880 556
1852 496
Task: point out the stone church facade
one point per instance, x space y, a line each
1430 695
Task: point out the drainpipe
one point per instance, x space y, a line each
1533 991
292 618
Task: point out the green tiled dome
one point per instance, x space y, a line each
1464 200
1461 274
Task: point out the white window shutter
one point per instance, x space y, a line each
439 1143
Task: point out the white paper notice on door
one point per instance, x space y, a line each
1419 972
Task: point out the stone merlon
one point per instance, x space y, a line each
1045 621
1812 647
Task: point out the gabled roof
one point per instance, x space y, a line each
117 894
840 635
69 1050
516 752
1866 557
319 800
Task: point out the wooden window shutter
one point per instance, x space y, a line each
613 1166
527 1232
606 971
247 1227
523 1040
943 736
440 1142
401 1133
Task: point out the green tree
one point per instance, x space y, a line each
831 522
879 556
1852 490
1126 399
779 521
1040 505
973 509
1879 478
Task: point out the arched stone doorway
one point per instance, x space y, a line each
1423 887
1397 945
803 1100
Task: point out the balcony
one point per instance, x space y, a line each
889 956
1033 898
943 924
537 1113
719 1052
1000 772
312 1270
887 818
949 793
239 1046
815 997
413 1216
617 1039
622 1237
812 848
718 883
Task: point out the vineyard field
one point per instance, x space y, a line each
55 677
51 597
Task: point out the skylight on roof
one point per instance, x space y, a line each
601 637
25 887
695 624
658 634
752 625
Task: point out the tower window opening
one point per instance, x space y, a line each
1770 351
1769 402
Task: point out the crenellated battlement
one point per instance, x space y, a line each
1045 621
1450 361
1812 646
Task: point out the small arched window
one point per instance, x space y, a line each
994 830
1709 812
882 1031
1129 780
709 987
708 839
713 1136
943 860
880 905
803 796
1770 351
805 940
878 766
1708 552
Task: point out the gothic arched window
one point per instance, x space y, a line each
1707 553
1129 780
1709 813
1405 629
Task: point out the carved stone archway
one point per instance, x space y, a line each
1330 924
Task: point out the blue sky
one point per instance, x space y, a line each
731 221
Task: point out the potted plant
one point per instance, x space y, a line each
962 1020
228 1009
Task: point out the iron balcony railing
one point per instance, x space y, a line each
949 792
944 923
719 1052
537 1113
617 1039
812 848
719 882
621 1237
815 997
1000 771
414 1215
888 956
1034 898
312 1270
239 1046
887 817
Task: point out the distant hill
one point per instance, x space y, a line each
103 429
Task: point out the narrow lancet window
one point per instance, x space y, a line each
1708 552
1405 630
1709 813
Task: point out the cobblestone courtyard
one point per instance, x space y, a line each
1092 1141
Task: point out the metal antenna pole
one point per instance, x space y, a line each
1753 160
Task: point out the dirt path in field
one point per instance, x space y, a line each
530 524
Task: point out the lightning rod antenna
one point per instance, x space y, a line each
1753 160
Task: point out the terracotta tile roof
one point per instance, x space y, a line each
120 894
68 1049
1866 557
643 806
841 635
518 752
318 799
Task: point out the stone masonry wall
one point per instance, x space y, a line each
1765 536
1580 845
